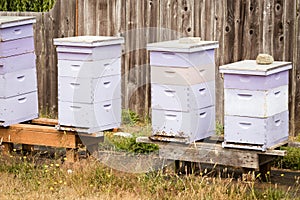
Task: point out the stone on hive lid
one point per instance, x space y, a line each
264 59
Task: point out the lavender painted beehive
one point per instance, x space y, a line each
18 81
89 82
255 104
183 89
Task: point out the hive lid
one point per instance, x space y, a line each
10 21
250 67
185 45
88 41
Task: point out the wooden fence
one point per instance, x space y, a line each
243 28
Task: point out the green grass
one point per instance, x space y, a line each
291 160
30 178
129 117
130 145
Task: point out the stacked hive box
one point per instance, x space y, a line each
183 89
18 82
256 104
89 82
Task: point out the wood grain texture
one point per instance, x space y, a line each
47 136
243 28
211 153
295 106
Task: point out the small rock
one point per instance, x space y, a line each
189 40
123 134
264 59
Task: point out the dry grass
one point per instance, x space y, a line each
29 178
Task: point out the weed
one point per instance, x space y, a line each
219 128
24 178
129 117
128 144
291 160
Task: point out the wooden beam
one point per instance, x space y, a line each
294 144
38 135
211 153
45 121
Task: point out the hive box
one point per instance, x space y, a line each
183 98
89 88
93 117
188 126
15 27
256 133
182 75
256 104
176 54
16 63
89 69
16 47
18 108
88 48
18 82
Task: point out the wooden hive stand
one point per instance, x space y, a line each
42 132
211 151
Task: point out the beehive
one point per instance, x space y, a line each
255 104
18 81
89 82
183 89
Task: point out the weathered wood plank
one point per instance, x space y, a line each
278 29
47 136
228 31
243 28
206 153
211 153
45 121
219 58
251 35
101 17
292 42
267 27
197 18
238 22
294 144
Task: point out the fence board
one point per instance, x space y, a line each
295 107
243 29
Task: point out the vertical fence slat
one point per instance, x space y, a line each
243 29
251 30
219 57
296 73
278 26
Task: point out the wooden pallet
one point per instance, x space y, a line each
42 132
211 152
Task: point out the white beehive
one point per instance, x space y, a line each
92 69
88 48
181 97
18 82
255 104
89 82
186 126
183 89
88 90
